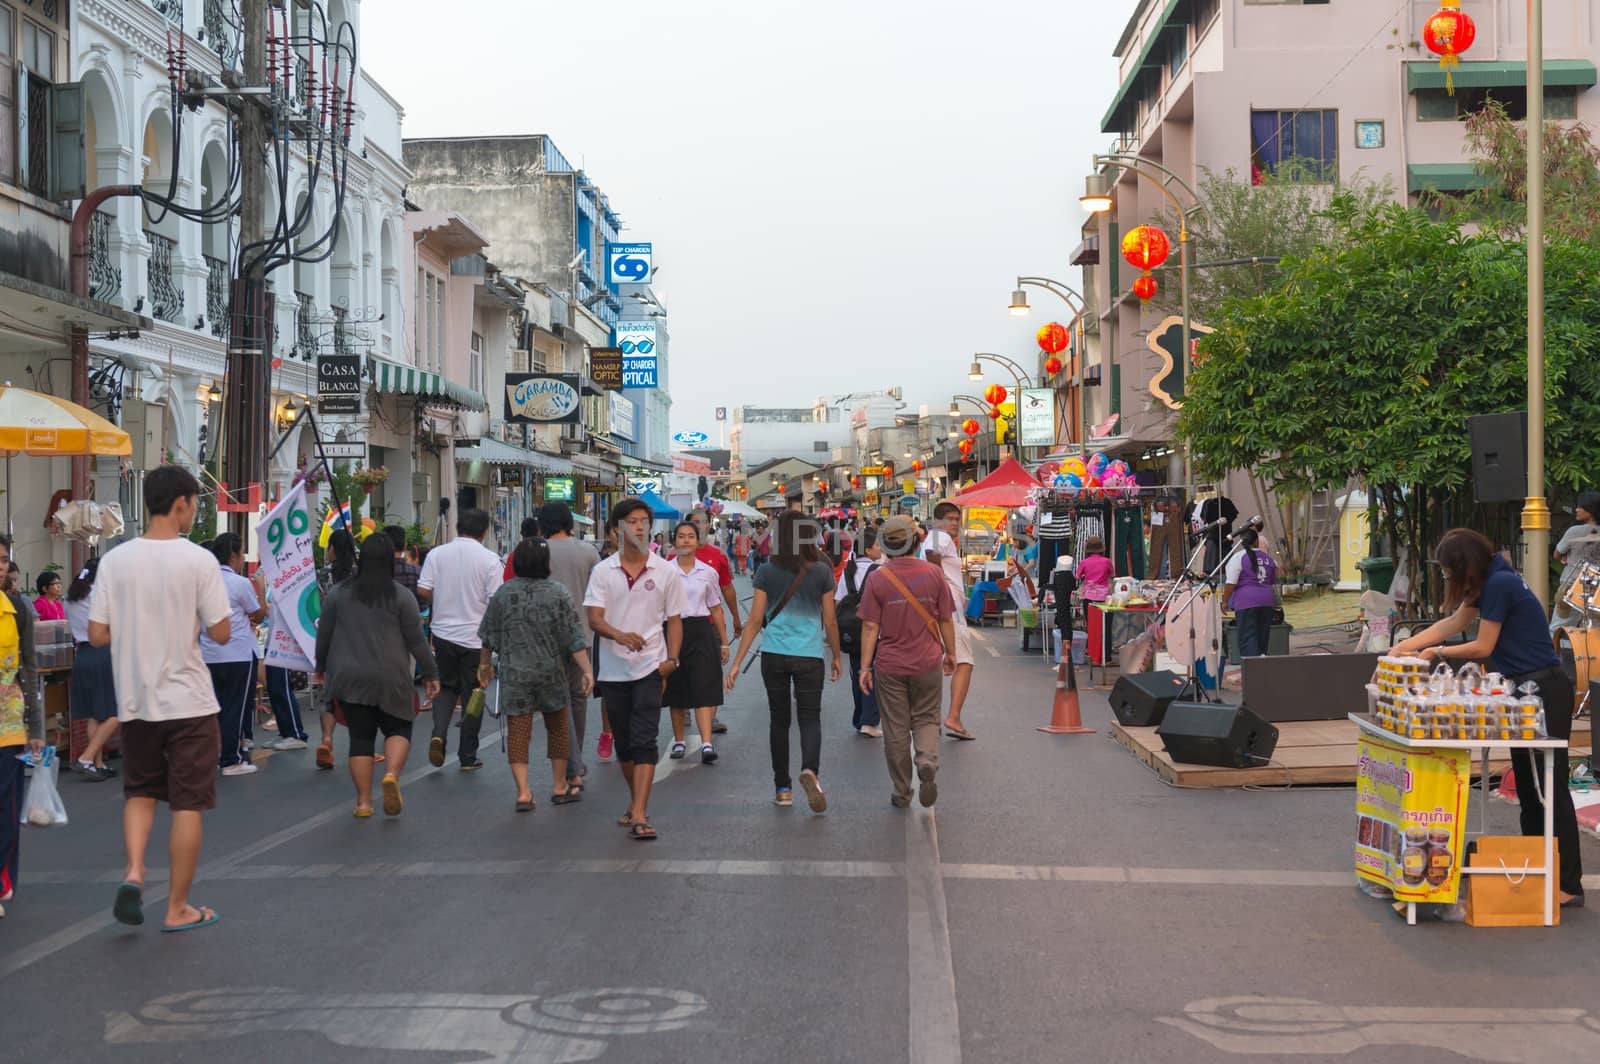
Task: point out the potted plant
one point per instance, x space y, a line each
311 474
369 477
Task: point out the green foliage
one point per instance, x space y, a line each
1571 183
205 521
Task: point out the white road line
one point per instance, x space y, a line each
935 1026
993 653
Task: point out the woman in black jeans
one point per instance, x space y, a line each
1513 634
794 599
369 632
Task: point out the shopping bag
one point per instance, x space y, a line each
1514 897
43 807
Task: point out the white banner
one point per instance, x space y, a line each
1036 412
291 570
283 650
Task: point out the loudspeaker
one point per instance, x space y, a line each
1141 700
1204 733
1499 456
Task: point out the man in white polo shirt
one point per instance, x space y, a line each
942 548
458 579
635 602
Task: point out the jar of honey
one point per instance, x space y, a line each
1439 857
1414 857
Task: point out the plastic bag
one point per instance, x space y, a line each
43 807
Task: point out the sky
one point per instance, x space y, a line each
841 194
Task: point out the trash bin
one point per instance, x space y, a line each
1377 574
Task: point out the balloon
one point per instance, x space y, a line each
1047 472
1092 485
1097 464
1071 482
1008 409
1075 464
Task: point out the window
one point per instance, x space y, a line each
438 325
475 366
38 51
1178 49
421 318
1438 105
1204 12
8 88
1297 145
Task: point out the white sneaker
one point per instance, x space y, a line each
287 744
243 768
873 730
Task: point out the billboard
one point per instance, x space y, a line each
1036 417
605 366
542 398
637 341
622 418
559 489
628 264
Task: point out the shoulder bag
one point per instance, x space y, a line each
916 603
772 614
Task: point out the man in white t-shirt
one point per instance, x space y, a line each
153 596
942 548
635 602
458 579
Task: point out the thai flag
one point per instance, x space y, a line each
338 517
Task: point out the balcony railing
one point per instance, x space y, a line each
105 277
171 10
217 295
343 340
218 25
166 298
305 328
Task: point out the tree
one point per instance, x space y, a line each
1571 183
1366 361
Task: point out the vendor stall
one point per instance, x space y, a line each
986 509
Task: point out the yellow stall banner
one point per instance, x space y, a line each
987 518
1410 808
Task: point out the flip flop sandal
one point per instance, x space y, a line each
362 813
204 921
959 733
625 820
566 799
678 750
643 833
129 906
525 807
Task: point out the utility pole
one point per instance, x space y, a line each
1536 510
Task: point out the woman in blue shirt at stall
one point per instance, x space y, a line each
1513 634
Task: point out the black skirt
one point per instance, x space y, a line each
93 693
698 680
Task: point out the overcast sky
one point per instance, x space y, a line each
840 193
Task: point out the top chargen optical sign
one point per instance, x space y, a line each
637 340
628 264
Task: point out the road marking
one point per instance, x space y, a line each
934 1023
19 959
993 653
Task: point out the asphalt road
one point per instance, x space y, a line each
1060 904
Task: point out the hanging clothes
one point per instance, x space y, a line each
1203 512
1127 541
1167 553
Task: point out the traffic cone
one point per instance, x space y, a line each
1065 716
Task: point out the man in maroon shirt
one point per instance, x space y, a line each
908 641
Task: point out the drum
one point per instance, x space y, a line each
1579 651
1584 591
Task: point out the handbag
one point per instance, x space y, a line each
1515 898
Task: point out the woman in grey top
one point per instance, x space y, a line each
533 625
1579 546
368 634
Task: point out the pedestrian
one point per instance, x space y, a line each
1095 572
697 684
908 645
21 725
762 550
232 661
48 606
368 635
799 626
712 555
942 547
457 580
862 563
93 692
1481 586
532 624
1578 547
341 555
572 562
406 573
1250 590
741 549
1063 584
529 530
153 596
635 601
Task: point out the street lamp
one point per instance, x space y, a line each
1079 306
1096 198
1019 302
955 409
975 373
1536 510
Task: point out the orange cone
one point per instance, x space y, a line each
1065 716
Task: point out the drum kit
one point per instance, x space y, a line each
1578 645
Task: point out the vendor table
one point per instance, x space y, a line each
1549 746
1111 628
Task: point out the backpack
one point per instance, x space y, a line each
844 611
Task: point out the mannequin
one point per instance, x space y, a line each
1210 505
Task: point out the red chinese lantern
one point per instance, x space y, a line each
1146 247
994 413
971 427
1144 286
916 465
995 394
1448 33
1053 338
965 446
1052 365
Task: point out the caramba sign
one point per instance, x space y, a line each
542 398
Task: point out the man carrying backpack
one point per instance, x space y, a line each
847 598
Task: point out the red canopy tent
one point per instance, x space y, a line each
1009 486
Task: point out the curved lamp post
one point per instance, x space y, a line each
1079 306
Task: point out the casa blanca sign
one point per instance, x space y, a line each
542 398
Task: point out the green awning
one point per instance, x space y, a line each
1444 177
1470 75
1143 66
393 378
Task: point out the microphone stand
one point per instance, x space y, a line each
1186 608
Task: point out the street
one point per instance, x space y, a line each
1061 903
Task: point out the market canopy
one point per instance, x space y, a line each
733 508
39 424
1010 486
659 508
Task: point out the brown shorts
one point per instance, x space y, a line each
172 761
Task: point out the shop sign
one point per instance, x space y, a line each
1166 340
622 418
875 471
908 486
605 366
637 341
559 489
689 439
339 384
628 263
542 398
639 483
1037 417
722 413
1411 806
870 498
336 449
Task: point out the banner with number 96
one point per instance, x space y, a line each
290 568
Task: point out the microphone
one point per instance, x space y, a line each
1255 524
1212 527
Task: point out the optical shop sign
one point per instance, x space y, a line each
1410 806
294 602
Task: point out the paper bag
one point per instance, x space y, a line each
1515 897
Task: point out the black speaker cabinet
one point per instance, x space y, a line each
1204 733
1499 456
1141 700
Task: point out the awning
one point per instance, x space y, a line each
1146 67
1445 177
1474 75
392 378
591 466
494 452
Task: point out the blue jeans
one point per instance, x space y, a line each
285 706
866 713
